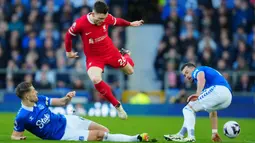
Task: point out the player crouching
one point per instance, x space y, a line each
213 93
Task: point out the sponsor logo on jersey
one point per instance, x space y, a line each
43 121
100 38
91 41
31 118
88 33
40 106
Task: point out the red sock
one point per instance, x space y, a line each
105 90
130 61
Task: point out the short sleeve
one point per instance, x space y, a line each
19 125
75 28
45 100
111 20
195 73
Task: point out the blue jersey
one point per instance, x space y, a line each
212 77
40 121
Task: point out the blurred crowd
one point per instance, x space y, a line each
216 33
32 43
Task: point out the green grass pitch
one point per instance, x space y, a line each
154 125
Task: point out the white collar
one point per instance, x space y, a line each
90 21
28 108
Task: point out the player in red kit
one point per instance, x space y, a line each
99 48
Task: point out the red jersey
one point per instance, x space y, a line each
96 41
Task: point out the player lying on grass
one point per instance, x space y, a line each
99 48
213 93
35 117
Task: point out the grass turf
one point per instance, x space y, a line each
155 126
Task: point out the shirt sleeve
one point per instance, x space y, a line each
195 73
45 100
75 28
19 125
116 21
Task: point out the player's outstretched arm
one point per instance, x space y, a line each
63 101
137 23
122 22
18 135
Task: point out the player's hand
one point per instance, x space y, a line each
137 23
71 94
72 54
216 137
192 97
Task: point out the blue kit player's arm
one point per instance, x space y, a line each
18 132
200 82
199 76
64 100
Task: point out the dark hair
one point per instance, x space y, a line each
187 65
101 7
22 88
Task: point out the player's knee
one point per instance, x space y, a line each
100 135
96 79
129 71
187 108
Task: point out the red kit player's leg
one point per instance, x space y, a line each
124 62
95 74
105 90
129 60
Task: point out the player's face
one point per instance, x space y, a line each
32 95
187 71
98 18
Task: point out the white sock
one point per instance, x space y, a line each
119 138
183 130
190 120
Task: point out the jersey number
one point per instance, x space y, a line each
122 61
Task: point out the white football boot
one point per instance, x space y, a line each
121 112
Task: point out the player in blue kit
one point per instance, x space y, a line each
35 117
213 93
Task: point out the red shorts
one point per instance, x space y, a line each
115 60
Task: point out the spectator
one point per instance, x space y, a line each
10 87
78 85
49 75
172 5
207 42
3 58
244 84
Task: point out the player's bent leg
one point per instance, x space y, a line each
96 126
128 69
96 135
